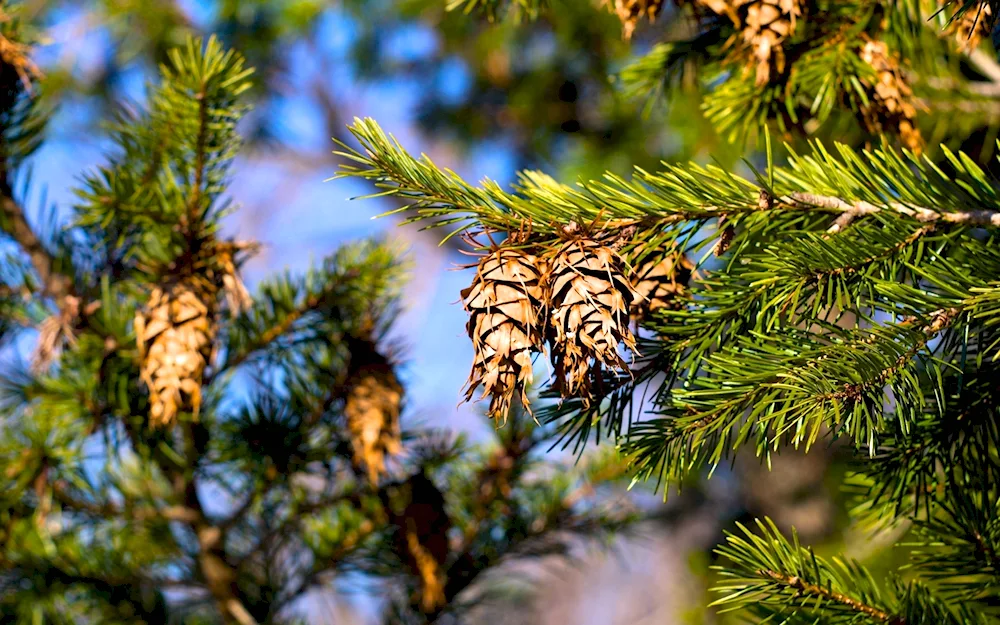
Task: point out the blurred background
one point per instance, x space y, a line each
485 98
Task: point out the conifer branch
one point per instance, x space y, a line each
322 304
868 183
17 121
807 588
283 325
192 216
764 569
110 510
108 587
54 284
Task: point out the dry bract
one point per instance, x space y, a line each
974 24
16 55
590 300
767 24
504 303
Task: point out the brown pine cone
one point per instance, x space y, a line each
590 299
505 305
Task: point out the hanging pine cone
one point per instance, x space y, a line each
504 303
765 25
176 331
972 25
373 400
661 285
421 537
590 299
891 105
630 12
175 336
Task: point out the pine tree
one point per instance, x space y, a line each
844 291
181 451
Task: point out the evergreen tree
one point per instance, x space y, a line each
842 292
178 450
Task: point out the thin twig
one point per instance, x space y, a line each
986 64
816 590
799 201
109 510
849 211
54 284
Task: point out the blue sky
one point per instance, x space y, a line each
289 208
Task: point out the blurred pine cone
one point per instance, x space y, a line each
891 105
176 331
630 12
972 25
175 335
372 407
421 537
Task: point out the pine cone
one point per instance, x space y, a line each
175 336
372 407
661 284
631 11
765 25
421 538
970 27
504 304
16 57
891 105
176 331
590 298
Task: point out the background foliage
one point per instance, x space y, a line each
512 85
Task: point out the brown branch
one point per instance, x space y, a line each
494 481
110 510
801 201
199 157
351 541
860 208
54 284
986 64
992 557
815 590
